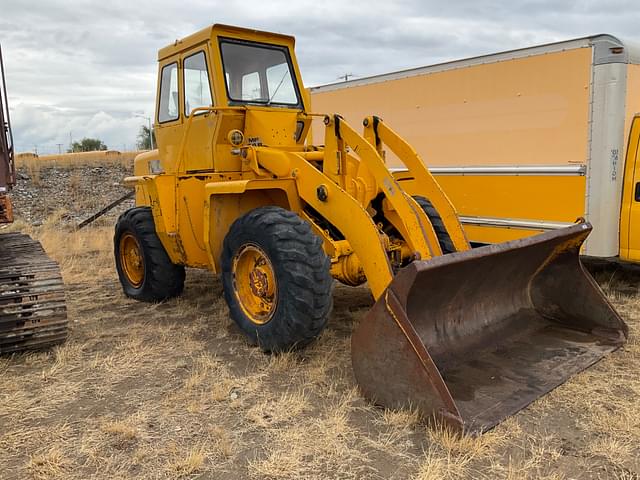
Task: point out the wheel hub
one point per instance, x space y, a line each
255 283
131 259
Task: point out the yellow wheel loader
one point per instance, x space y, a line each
467 336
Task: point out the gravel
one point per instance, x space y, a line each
70 193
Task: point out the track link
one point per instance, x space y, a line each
33 312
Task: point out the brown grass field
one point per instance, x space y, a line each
172 390
33 161
33 164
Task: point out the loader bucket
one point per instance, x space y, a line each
472 337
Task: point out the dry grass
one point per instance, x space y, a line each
173 391
187 463
33 161
49 464
33 164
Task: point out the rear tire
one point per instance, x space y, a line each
276 279
446 244
144 268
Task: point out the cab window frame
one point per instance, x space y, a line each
175 64
184 83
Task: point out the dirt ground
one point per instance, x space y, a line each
173 391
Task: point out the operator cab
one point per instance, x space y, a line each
221 81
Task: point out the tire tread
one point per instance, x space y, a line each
163 279
302 270
446 244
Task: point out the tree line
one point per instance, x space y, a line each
95 144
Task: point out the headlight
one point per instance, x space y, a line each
235 137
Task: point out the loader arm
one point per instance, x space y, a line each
379 134
347 191
418 230
349 214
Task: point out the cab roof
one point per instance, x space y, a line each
207 34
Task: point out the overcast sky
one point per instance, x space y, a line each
86 68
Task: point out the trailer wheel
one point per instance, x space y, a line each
144 268
446 244
276 279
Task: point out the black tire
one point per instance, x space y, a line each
161 278
303 282
446 244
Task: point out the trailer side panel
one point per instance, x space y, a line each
525 111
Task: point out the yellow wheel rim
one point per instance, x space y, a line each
131 259
254 283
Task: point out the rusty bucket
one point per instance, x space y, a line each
472 337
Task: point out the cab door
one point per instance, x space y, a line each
630 211
198 153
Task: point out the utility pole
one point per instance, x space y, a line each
346 76
59 148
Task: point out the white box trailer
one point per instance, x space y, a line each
522 141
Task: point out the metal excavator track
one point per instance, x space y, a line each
33 313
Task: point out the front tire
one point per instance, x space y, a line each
144 268
446 244
276 279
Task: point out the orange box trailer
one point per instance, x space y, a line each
521 141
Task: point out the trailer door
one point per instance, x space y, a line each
630 213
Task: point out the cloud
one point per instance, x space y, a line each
87 67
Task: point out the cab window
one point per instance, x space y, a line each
197 89
169 103
258 73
